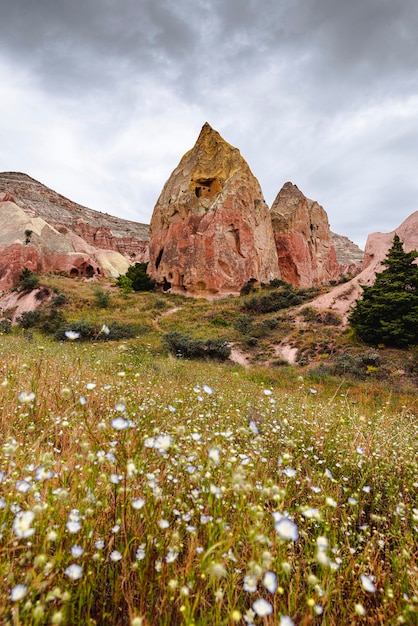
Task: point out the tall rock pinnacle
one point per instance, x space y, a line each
305 249
211 231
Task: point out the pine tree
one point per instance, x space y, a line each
387 313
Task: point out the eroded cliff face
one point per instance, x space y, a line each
33 243
306 254
100 230
211 231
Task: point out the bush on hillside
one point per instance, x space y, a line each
183 345
138 277
283 298
27 281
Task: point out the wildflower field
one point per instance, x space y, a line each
136 488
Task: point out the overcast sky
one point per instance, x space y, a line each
99 99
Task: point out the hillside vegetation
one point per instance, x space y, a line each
141 488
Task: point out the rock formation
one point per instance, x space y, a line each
211 231
100 230
45 232
33 243
341 298
305 250
349 256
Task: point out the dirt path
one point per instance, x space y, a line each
155 323
237 356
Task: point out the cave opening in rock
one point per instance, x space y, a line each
158 259
166 284
206 187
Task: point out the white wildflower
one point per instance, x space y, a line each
270 582
22 524
250 583
214 455
367 583
286 529
26 398
74 571
119 423
162 442
262 608
18 592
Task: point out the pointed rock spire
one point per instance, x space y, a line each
305 249
211 231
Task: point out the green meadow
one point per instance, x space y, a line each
137 488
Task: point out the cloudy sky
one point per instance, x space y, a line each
100 99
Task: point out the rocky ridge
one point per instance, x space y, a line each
98 229
45 232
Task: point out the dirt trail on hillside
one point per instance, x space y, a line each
155 323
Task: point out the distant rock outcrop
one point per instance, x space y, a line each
305 249
33 243
45 232
341 298
349 256
98 229
211 231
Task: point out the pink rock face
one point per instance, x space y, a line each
211 231
100 230
33 243
305 250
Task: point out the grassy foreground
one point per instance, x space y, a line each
140 489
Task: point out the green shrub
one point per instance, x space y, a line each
137 274
102 298
247 288
29 319
125 284
273 301
27 281
183 345
5 326
119 330
59 300
84 328
219 321
243 324
52 321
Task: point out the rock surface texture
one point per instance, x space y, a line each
305 249
43 231
211 231
341 298
349 256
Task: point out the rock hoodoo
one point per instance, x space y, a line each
305 250
211 231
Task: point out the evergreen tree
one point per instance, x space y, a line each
138 277
387 313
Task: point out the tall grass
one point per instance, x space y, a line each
142 489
